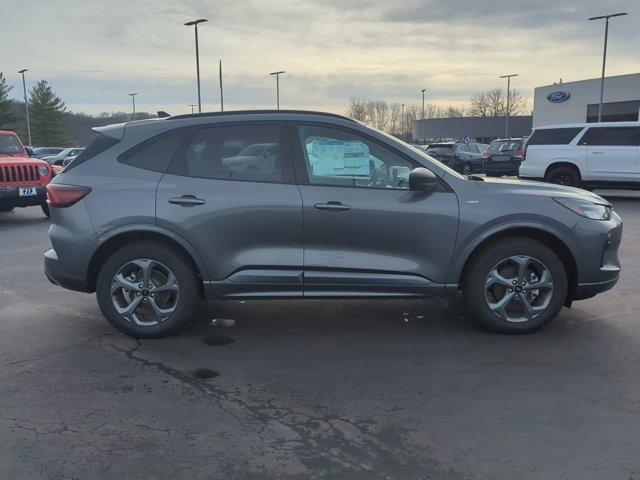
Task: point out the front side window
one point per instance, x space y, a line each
611 136
233 152
343 158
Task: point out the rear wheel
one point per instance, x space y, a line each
147 290
515 285
567 176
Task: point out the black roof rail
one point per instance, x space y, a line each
249 112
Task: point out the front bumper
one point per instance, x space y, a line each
10 197
599 251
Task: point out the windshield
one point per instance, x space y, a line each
65 152
504 146
10 145
435 148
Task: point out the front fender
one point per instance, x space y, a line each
456 269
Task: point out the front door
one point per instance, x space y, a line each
612 153
365 232
230 191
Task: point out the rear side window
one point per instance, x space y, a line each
155 154
99 145
611 136
251 153
553 136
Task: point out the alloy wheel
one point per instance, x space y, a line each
519 288
145 292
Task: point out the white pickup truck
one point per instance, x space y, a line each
604 155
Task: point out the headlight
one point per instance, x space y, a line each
44 171
585 208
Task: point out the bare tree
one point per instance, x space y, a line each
493 103
358 109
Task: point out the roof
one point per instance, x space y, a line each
258 112
592 124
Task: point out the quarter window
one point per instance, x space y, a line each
234 152
611 136
553 136
342 158
154 154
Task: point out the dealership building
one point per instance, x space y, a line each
577 102
569 102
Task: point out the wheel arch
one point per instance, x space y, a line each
549 236
563 163
112 240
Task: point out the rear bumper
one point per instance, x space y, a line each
57 275
10 197
502 168
588 290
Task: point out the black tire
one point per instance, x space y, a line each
175 262
45 209
466 169
567 176
6 210
477 273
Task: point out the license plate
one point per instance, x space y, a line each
500 158
28 192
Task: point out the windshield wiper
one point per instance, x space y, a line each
475 178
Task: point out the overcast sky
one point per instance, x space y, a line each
95 52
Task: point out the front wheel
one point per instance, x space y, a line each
566 176
515 285
147 290
45 209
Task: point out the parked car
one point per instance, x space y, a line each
40 152
503 157
67 152
584 155
22 179
462 157
151 218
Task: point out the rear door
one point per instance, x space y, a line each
612 153
239 208
365 232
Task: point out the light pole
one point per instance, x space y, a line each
402 120
192 105
604 54
26 104
508 77
195 24
133 101
277 74
422 119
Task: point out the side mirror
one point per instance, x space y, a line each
29 151
422 180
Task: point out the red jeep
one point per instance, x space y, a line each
22 179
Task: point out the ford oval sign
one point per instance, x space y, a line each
558 97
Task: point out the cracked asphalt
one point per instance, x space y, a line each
313 389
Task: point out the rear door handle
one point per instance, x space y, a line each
333 206
186 200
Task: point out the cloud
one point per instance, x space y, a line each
95 52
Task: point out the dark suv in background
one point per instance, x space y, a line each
503 157
465 158
156 214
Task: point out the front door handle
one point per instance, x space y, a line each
186 200
332 206
597 153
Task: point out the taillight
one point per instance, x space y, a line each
61 196
486 154
519 153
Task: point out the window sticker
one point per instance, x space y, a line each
334 157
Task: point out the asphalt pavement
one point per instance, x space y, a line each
313 389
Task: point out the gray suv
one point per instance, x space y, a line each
156 214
